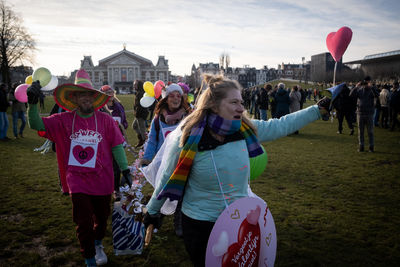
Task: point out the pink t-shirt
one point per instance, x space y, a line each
97 179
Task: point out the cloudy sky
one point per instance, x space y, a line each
254 33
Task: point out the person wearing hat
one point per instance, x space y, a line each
116 110
86 141
365 94
169 112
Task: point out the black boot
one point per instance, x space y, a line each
140 141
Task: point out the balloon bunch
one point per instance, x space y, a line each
43 75
152 93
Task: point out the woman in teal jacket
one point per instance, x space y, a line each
215 140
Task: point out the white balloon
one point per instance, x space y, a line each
147 101
52 84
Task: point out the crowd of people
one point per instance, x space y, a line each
206 138
355 103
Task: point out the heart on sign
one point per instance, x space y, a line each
337 42
83 155
235 215
268 239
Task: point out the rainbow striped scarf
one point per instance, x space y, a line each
175 186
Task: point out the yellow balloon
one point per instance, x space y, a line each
28 80
149 88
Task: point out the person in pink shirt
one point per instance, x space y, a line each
86 141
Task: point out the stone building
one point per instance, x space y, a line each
121 69
322 67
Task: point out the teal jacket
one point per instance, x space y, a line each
203 199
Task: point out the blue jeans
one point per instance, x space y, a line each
377 112
263 114
15 116
3 125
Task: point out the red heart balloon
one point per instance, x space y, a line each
337 42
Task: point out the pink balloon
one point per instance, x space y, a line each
337 42
158 86
20 93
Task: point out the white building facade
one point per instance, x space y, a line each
121 69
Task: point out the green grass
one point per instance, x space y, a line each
332 205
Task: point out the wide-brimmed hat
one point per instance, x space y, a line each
63 93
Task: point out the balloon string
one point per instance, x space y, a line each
219 182
334 73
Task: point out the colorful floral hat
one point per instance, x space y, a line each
63 93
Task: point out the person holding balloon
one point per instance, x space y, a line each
86 140
206 159
18 112
140 113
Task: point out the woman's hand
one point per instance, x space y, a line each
144 162
155 220
324 106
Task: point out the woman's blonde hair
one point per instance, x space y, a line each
210 99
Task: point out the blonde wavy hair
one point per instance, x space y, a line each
209 100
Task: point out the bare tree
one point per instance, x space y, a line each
16 44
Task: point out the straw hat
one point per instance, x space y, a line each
63 93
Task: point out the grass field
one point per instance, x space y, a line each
332 205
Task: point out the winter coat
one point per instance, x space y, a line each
263 99
139 111
365 99
282 102
295 99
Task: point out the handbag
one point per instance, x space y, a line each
128 234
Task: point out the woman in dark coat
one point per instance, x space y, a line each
282 100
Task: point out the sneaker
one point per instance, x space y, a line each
101 257
352 132
21 135
361 149
371 149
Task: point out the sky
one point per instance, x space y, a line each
254 33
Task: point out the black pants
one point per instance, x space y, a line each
195 237
349 118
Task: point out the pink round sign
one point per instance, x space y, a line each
243 235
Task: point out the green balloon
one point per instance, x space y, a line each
43 75
258 164
190 98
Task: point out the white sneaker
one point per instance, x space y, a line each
101 257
